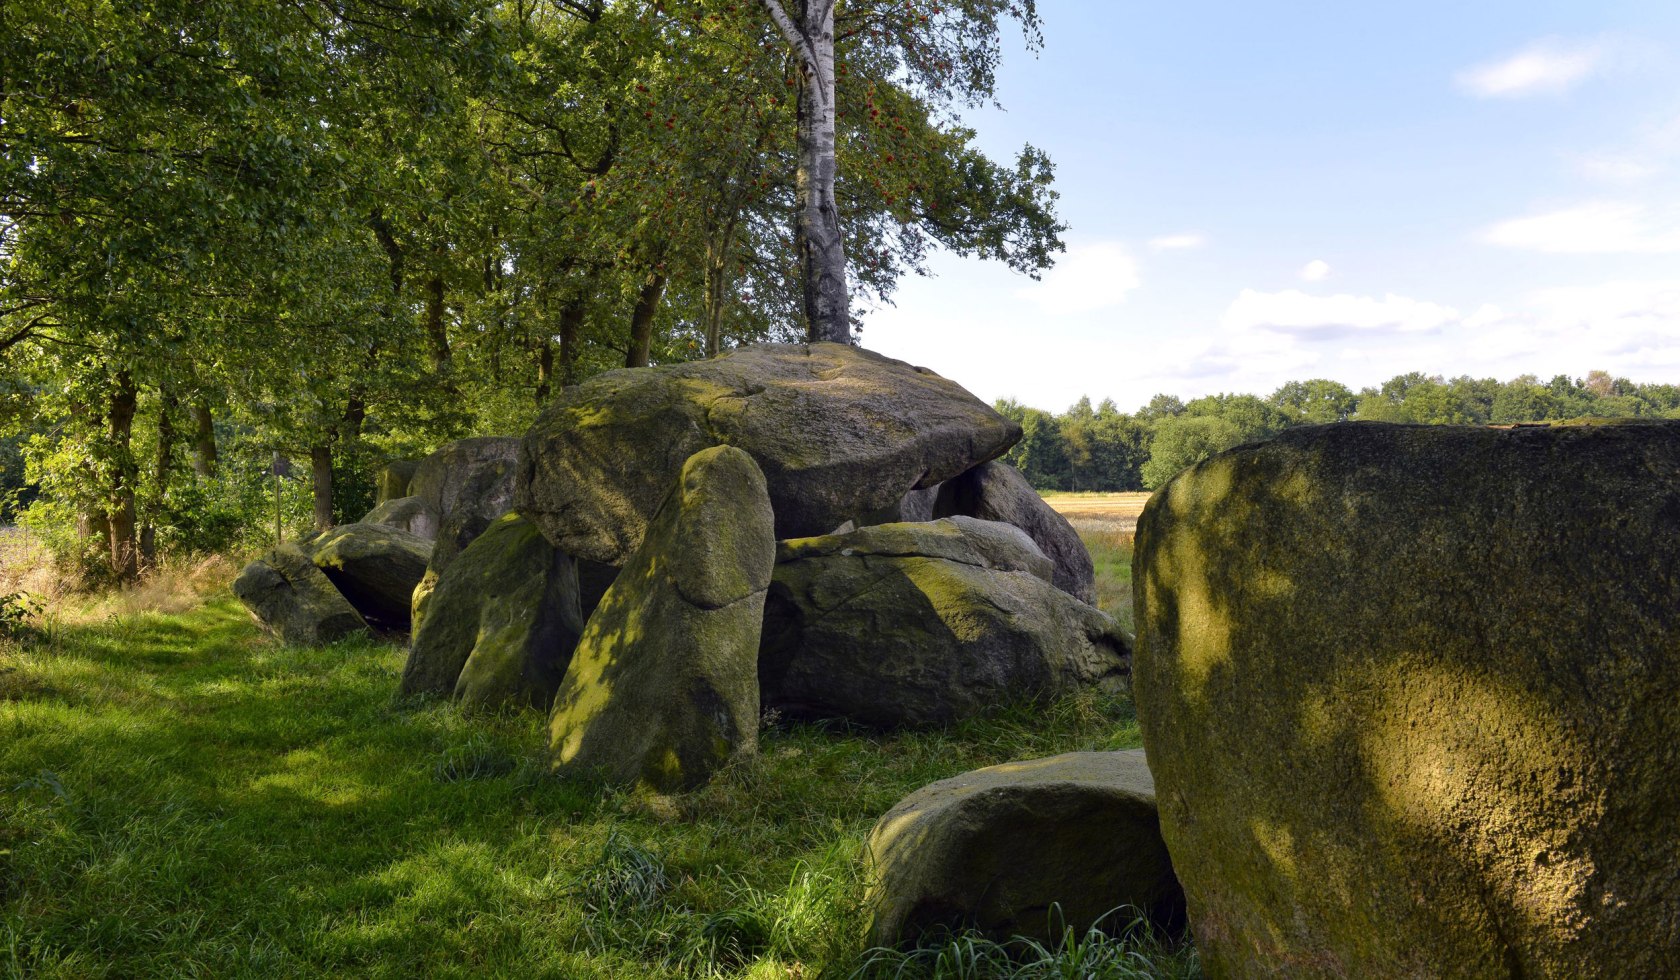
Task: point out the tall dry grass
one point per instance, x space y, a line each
174 585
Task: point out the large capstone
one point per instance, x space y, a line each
1412 700
501 623
838 432
375 567
1025 849
663 687
996 491
291 598
925 624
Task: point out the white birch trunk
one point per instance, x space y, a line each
822 251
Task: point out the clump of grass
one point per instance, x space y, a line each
1111 556
1137 951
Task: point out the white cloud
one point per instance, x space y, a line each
1548 66
1616 168
1167 243
1086 278
1599 227
1295 312
1317 270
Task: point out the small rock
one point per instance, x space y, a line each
292 598
996 848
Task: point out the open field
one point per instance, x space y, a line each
180 795
1106 522
1099 511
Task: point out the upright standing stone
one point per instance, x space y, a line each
663 687
1412 700
501 624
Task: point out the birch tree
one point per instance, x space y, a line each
822 250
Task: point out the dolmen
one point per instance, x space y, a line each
689 512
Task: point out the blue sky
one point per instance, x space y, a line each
1260 192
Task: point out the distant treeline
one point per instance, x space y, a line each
1103 448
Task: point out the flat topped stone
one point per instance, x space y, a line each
838 432
965 540
1025 848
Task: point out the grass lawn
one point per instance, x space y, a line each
181 796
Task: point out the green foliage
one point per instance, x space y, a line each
1106 450
358 229
1184 440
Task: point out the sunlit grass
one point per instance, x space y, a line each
181 796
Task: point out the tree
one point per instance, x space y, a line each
1315 402
1185 440
822 248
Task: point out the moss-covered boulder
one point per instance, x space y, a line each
1026 848
926 623
996 491
501 623
409 514
1412 700
393 479
476 473
375 567
477 492
294 600
837 431
663 688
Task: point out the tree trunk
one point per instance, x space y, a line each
822 252
436 331
571 325
124 553
204 441
93 520
545 370
163 463
641 321
320 469
717 286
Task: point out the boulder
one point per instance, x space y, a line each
474 480
394 478
1412 700
475 472
996 491
1025 848
502 622
293 599
917 505
409 514
663 687
837 431
925 624
375 567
